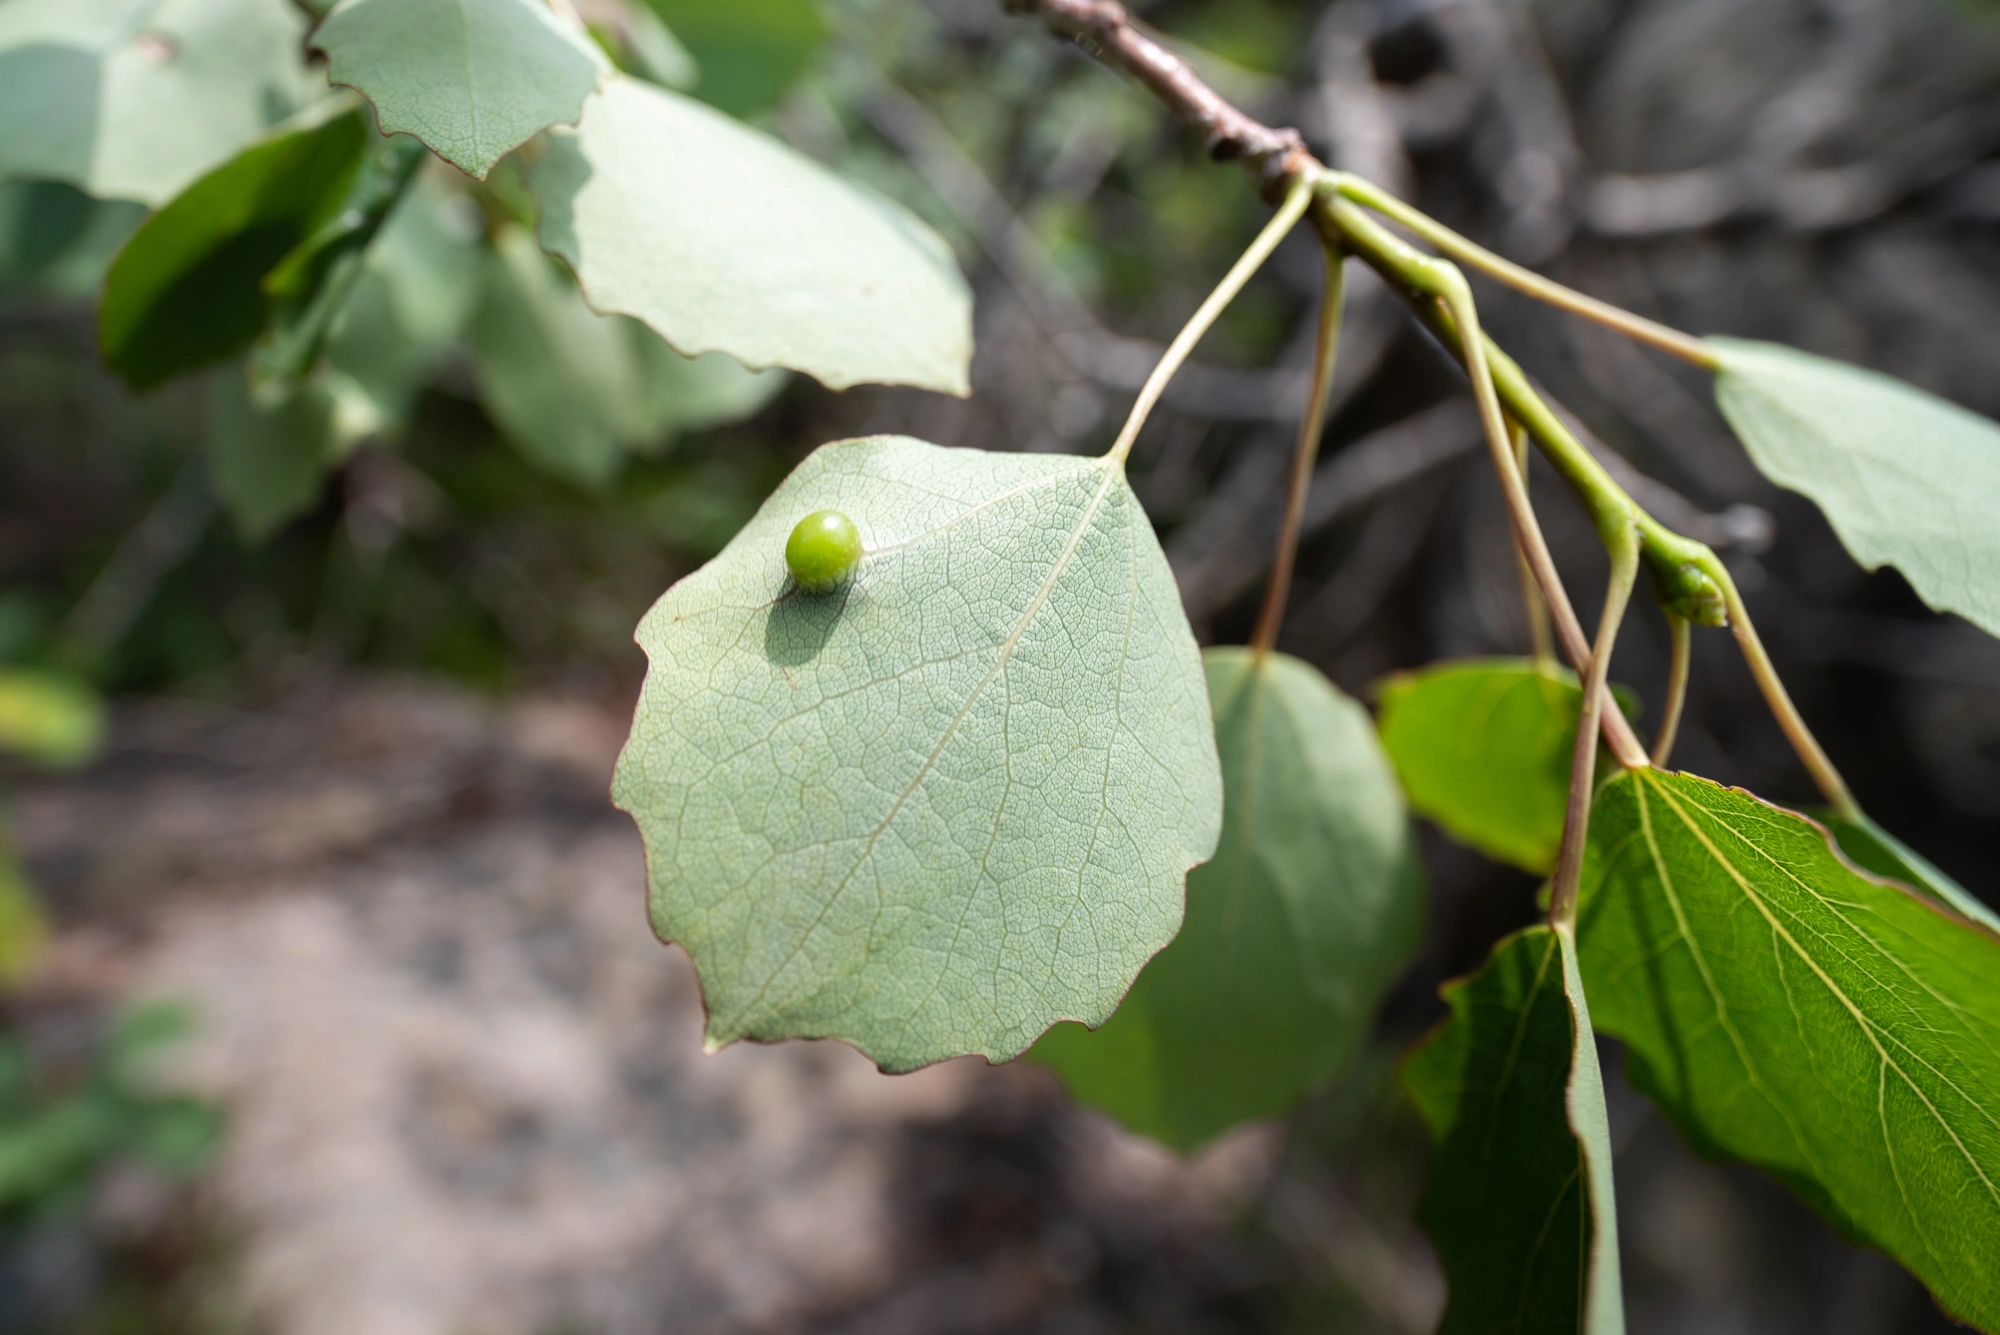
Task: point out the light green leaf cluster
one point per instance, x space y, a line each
1483 748
132 99
1309 910
1792 1012
724 240
1905 478
1520 1202
576 390
949 805
473 79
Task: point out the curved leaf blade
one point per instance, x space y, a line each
944 808
473 79
1308 912
1483 748
1905 478
1873 848
188 289
133 99
1787 1010
724 240
1520 1179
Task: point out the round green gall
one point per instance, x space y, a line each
823 551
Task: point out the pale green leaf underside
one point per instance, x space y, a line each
1905 478
1792 1012
725 240
132 99
473 79
1483 748
1308 912
1510 1088
955 802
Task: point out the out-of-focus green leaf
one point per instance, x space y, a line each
949 805
23 926
552 372
1905 478
187 290
312 284
1309 910
132 99
56 238
724 240
1875 849
269 447
416 289
574 389
1791 1012
747 52
49 718
1520 1202
1483 748
473 79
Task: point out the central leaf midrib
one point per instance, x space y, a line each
749 1012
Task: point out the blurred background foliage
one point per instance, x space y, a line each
498 482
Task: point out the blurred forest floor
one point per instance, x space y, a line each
353 806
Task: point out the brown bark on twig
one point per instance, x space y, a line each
1110 33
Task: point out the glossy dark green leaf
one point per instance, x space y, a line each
1789 1011
1309 910
1520 1203
187 290
312 284
133 99
269 448
1905 478
473 79
746 52
948 805
1483 748
722 239
1873 848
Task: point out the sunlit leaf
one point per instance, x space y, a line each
1787 1010
24 926
269 448
724 240
1870 846
746 52
1905 478
1308 912
187 291
132 99
49 718
1483 748
1520 1202
948 805
473 79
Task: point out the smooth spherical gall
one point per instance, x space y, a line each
823 551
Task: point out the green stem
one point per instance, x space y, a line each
1297 197
1465 251
1583 759
1452 314
1779 700
1325 349
1540 634
1677 688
